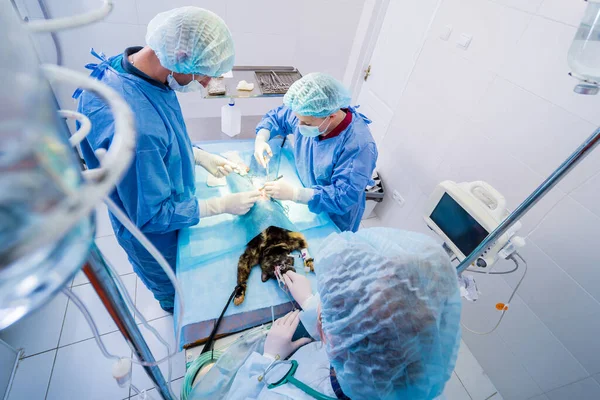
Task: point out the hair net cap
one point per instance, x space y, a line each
317 95
390 308
191 40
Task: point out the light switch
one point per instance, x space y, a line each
446 32
464 41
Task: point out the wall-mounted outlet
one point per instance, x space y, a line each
398 198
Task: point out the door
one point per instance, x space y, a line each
401 36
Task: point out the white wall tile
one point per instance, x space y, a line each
473 157
123 11
147 9
588 193
472 376
533 130
146 303
176 385
530 6
568 235
103 224
330 56
495 29
27 333
501 365
393 60
417 142
454 389
274 17
32 377
105 37
110 38
166 329
257 49
540 397
114 254
540 352
579 334
539 64
567 11
547 289
76 327
82 372
453 81
587 389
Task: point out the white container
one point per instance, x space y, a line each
584 54
231 119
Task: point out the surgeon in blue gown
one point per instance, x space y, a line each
186 47
334 151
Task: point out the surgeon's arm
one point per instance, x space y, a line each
350 177
278 121
146 192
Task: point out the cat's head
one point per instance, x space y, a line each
269 263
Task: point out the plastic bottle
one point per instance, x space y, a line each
584 54
231 119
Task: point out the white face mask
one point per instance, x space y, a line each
313 131
193 86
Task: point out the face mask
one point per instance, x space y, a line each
193 86
313 131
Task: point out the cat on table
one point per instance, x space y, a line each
271 250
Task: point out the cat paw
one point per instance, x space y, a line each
237 300
309 263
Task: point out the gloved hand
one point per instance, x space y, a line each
299 287
237 204
261 147
214 164
283 190
279 339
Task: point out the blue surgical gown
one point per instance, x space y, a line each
338 169
157 191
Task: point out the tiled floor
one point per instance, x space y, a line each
62 360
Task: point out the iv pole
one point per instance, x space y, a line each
571 162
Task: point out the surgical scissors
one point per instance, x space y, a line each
282 285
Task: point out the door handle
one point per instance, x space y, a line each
367 72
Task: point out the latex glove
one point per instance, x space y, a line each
283 190
216 165
299 287
261 147
237 204
279 339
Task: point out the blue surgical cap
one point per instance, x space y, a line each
316 95
390 309
191 40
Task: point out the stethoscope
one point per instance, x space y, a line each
279 373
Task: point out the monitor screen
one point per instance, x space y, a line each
460 227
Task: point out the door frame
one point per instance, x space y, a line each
363 46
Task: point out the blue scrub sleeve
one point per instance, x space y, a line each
278 121
145 190
350 177
146 194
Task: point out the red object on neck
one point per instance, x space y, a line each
341 126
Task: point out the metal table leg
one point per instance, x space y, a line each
100 278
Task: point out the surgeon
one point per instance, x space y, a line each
334 151
186 47
386 320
